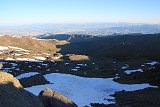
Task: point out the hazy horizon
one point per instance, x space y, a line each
18 12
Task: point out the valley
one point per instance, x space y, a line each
101 69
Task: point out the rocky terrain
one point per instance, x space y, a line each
97 72
14 94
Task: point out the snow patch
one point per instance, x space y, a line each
28 59
152 63
40 58
82 64
3 48
74 69
84 91
17 49
125 67
26 75
66 63
131 71
10 59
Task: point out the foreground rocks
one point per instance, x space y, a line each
13 94
54 99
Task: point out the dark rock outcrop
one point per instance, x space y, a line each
54 99
33 80
12 93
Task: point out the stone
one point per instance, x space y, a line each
51 98
12 93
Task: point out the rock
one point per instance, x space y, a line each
54 99
74 57
12 93
1 66
33 81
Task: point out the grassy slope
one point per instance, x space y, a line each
30 44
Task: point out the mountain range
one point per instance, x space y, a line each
96 29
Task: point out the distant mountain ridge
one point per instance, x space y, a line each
96 29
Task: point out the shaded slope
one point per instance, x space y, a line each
119 47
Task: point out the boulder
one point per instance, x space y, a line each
74 57
12 93
1 66
33 81
51 98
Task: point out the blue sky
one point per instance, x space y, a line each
79 11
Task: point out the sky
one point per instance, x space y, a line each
13 12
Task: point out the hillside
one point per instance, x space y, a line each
118 47
28 43
20 48
71 38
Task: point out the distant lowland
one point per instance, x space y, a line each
95 29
